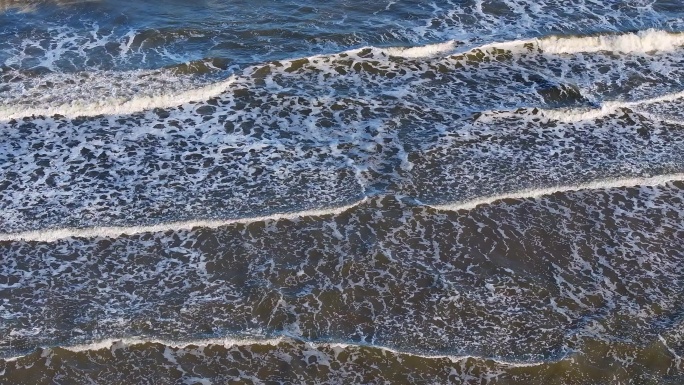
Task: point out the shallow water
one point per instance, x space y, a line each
350 192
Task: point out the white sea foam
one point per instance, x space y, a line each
51 235
536 193
115 344
640 42
512 45
430 50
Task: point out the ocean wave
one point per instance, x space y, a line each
536 193
425 51
130 95
52 235
437 279
609 107
640 42
105 93
648 41
353 124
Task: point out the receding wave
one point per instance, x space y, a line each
293 361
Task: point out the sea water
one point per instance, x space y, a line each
263 192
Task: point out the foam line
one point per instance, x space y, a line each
115 344
52 235
641 42
536 193
111 106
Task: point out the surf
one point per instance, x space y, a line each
643 42
53 235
